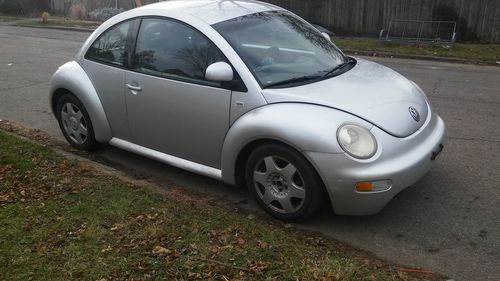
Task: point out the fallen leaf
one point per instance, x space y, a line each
240 241
258 267
107 249
263 245
160 251
194 276
81 229
116 227
152 217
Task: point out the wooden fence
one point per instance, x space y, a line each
478 20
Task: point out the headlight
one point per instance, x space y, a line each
357 141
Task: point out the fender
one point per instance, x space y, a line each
73 78
305 127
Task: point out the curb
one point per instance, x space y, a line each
67 28
419 57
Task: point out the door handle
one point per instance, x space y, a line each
134 89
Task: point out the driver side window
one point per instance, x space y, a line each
170 49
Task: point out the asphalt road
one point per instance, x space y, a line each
448 222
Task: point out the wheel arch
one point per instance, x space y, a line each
300 126
303 127
56 95
70 78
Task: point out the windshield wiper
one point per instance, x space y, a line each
315 77
294 80
339 67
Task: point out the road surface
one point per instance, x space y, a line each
448 222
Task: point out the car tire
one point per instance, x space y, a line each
284 183
75 123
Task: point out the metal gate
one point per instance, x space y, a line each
439 33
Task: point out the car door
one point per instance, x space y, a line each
105 62
171 107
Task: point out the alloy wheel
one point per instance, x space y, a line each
74 123
279 184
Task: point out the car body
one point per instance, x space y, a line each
193 84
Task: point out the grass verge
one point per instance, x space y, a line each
63 219
7 18
476 52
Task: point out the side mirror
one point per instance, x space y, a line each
326 36
219 72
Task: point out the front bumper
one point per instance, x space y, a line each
401 160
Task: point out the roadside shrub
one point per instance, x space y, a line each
11 7
103 14
78 11
45 17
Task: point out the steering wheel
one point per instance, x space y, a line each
269 59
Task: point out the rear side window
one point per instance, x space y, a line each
170 49
111 46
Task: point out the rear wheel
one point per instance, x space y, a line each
75 123
284 183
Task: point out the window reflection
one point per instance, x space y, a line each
110 47
278 46
171 49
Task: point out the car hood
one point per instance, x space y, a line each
370 91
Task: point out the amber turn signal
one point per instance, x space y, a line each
374 186
364 186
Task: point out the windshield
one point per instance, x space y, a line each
281 49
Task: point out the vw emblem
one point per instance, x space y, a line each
414 113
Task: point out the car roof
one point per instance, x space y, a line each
213 11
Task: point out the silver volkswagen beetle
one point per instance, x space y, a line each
250 94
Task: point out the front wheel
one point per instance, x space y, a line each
284 183
75 123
